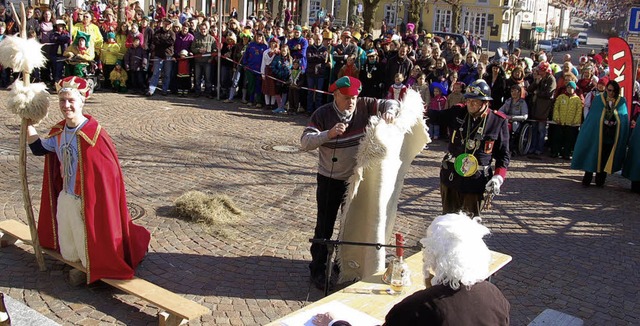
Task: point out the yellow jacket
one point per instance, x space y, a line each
88 55
110 53
93 30
118 76
122 40
567 111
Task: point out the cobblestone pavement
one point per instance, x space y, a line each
574 249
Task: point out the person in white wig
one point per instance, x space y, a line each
456 262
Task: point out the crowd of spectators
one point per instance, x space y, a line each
278 65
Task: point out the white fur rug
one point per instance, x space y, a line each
369 211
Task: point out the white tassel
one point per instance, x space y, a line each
29 102
21 54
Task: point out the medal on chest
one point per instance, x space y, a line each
466 165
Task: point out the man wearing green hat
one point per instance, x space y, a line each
335 129
79 54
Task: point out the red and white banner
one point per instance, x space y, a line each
621 67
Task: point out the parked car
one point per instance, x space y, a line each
582 38
569 42
586 25
544 45
461 40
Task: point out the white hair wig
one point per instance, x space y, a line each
455 252
21 54
29 102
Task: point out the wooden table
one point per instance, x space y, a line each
372 297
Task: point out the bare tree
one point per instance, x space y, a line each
369 12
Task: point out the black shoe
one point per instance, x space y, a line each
165 93
586 179
601 177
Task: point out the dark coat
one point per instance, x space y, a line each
542 102
481 304
163 43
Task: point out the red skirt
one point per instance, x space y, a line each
269 86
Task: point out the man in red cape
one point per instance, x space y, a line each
83 186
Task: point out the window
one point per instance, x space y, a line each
474 22
390 14
314 7
442 20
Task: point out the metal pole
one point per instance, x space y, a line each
346 18
220 38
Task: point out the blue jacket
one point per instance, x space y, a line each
252 57
300 54
468 74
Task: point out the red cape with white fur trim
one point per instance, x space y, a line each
114 244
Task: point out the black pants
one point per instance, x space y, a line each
454 201
564 138
601 176
329 197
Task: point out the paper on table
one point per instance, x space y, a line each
339 310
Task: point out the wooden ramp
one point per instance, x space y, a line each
176 310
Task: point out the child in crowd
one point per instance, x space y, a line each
135 63
184 74
350 68
60 39
451 80
567 114
438 103
413 76
398 89
456 63
110 53
422 88
118 78
294 88
456 95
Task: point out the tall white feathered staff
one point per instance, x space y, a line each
30 102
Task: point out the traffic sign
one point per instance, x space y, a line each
634 43
634 20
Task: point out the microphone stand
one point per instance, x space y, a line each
332 245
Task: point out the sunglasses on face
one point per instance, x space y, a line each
610 90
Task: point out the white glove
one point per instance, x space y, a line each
494 184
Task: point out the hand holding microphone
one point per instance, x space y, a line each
338 130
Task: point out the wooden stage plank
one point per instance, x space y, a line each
175 305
